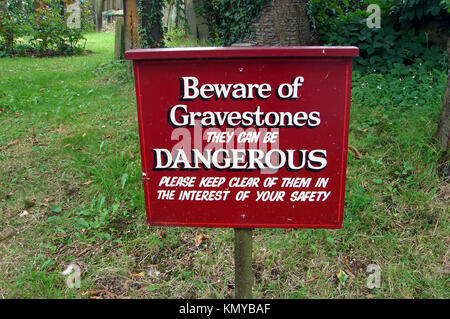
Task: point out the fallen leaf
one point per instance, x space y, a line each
361 130
82 113
73 148
81 253
200 238
17 114
357 154
7 235
138 275
91 293
312 279
342 276
24 213
46 201
373 229
350 273
87 183
9 195
13 143
58 236
34 141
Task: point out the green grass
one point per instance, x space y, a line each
69 157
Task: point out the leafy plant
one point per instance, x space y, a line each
414 11
229 20
150 28
14 22
42 24
397 42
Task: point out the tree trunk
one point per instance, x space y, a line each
130 15
283 23
191 18
130 32
201 24
98 15
152 27
443 129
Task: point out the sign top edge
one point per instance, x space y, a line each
240 52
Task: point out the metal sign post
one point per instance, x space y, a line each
243 263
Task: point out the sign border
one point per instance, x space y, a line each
341 53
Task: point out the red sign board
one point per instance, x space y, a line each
244 137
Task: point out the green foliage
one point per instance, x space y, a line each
343 22
381 49
50 32
42 28
229 20
414 11
150 28
97 220
446 5
401 89
322 12
14 22
177 38
87 20
150 17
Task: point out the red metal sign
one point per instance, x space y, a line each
244 137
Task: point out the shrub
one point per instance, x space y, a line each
398 41
14 22
43 25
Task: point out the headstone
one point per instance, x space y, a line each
191 18
119 44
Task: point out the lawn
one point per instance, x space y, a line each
71 192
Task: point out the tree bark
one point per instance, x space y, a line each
191 18
130 32
201 24
283 23
131 24
443 129
153 28
98 15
